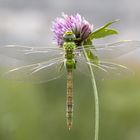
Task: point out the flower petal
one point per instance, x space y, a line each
75 23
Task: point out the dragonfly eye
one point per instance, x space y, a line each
69 36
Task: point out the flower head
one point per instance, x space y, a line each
75 23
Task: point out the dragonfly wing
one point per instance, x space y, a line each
31 54
103 70
113 50
81 64
109 70
39 72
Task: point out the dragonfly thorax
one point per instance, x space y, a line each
69 47
69 50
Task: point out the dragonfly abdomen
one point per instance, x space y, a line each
69 100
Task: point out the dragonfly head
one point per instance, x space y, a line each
69 36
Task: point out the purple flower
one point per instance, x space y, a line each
75 23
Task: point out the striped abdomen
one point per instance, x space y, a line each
69 100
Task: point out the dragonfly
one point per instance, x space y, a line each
48 63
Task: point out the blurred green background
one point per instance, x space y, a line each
37 112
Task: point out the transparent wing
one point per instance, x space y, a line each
39 72
110 70
113 50
31 54
103 70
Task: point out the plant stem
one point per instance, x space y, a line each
96 103
95 98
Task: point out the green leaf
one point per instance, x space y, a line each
103 31
92 57
87 42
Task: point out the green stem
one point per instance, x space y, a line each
96 103
95 97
